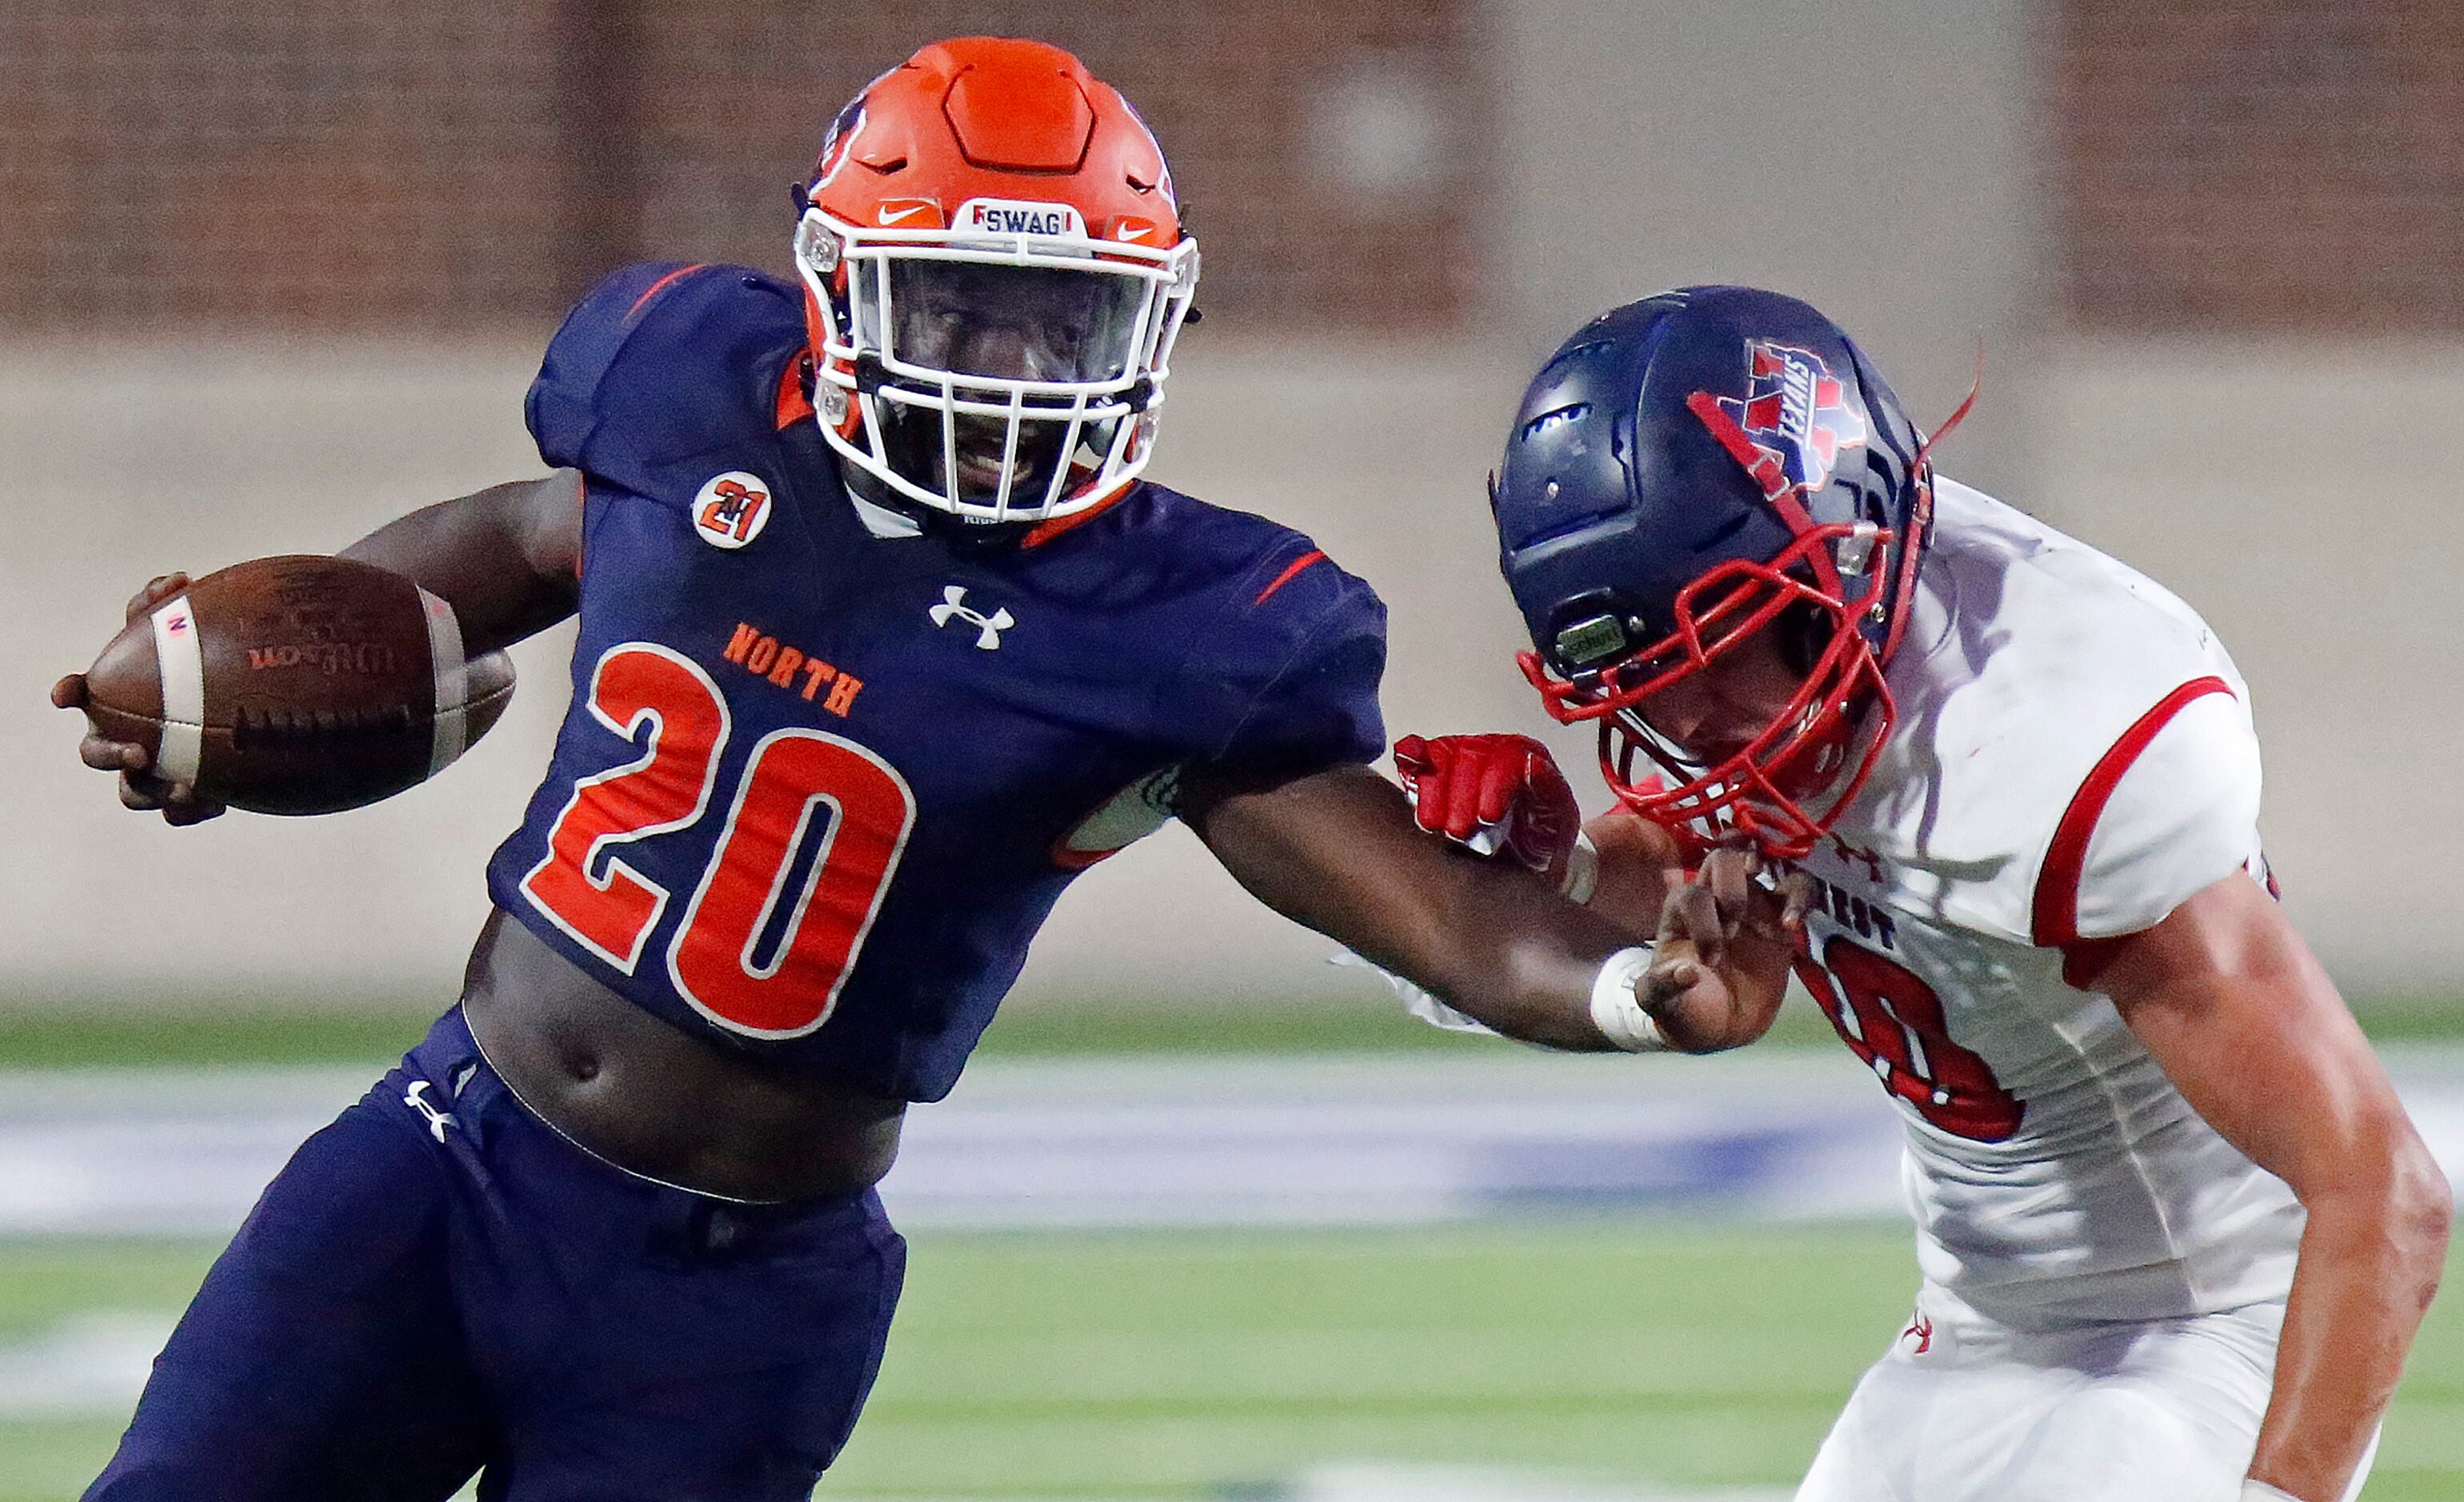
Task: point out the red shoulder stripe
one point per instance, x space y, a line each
1312 556
2054 921
662 285
1044 531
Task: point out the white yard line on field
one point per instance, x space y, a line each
1144 1141
1406 1483
1372 1481
90 1365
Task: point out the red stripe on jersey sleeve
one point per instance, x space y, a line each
1312 556
662 285
2056 918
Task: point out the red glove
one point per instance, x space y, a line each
1492 794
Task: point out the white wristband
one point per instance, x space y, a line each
1582 870
2254 1491
1617 1012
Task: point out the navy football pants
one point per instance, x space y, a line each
439 1283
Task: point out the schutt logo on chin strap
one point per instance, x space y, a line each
953 607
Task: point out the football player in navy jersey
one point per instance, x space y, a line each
882 639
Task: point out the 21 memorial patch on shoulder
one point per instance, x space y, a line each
731 508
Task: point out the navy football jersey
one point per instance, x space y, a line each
819 786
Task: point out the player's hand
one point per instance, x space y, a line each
1492 794
138 789
1720 965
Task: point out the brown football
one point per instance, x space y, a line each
302 685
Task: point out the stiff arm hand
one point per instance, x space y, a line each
1719 957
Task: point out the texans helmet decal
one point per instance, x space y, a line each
1795 411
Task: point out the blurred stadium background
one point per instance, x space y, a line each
1213 1219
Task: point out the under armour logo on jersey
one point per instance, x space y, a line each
953 607
438 1121
1848 852
1921 1330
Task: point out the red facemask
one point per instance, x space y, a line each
1793 779
1791 782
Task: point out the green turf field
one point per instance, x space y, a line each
48 1031
1217 1364
1214 1364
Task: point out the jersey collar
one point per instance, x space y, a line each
880 520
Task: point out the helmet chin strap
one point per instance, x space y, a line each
1768 472
1759 462
887 514
1921 513
883 512
1959 414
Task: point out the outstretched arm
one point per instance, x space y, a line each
1338 851
2227 997
506 559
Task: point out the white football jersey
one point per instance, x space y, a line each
2073 758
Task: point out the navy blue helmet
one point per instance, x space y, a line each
1689 472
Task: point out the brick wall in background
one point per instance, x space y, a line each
2258 165
265 163
462 164
1330 156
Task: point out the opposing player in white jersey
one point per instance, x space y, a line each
1999 796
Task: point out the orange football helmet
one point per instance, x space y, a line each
995 272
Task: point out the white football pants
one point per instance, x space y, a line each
1963 1409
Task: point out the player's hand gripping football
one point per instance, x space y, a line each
139 788
1719 962
1492 795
